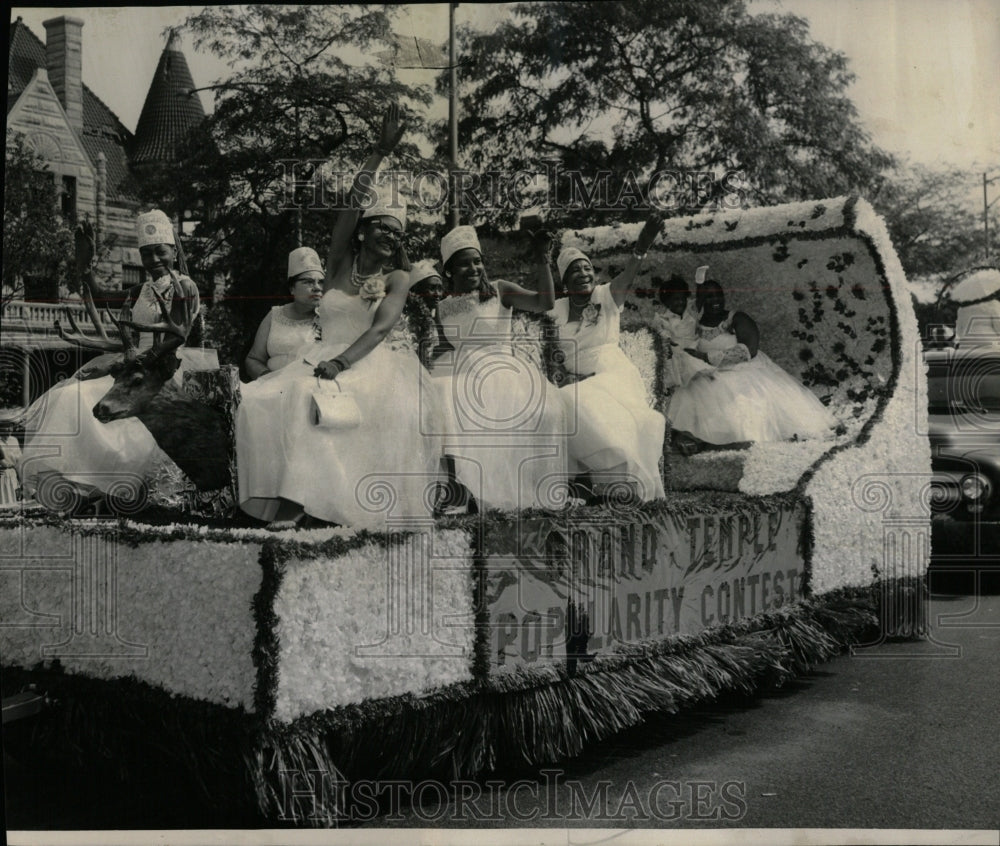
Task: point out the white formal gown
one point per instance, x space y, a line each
617 435
752 401
383 470
507 425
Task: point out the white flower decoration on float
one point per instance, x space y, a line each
638 346
184 608
330 610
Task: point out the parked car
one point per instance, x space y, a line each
963 397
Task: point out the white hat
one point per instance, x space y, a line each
154 227
383 206
301 260
699 275
460 238
566 257
423 270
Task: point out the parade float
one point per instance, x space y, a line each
273 668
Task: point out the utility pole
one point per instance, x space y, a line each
453 118
986 213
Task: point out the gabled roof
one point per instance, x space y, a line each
171 110
102 130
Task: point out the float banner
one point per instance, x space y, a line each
559 589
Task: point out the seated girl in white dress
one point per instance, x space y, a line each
289 327
66 447
10 463
617 438
679 324
506 433
347 434
750 398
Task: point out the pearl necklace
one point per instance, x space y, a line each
357 280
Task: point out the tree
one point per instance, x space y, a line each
294 99
651 86
934 216
37 243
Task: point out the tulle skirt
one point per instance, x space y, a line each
684 367
506 429
753 401
383 469
617 436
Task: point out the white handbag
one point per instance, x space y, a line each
334 410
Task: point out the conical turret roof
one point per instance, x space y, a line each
171 109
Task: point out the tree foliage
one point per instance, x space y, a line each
37 243
300 92
655 85
934 216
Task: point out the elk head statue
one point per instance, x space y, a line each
190 432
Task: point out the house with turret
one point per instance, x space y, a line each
98 166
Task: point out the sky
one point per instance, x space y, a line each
928 71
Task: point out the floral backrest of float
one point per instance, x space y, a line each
820 279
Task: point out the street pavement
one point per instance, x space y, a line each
897 735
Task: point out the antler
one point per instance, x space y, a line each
168 325
79 339
127 344
85 244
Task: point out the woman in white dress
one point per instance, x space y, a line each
348 434
618 438
679 324
64 443
289 327
749 398
506 422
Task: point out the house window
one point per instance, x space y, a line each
132 275
68 199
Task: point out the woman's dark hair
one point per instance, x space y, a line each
676 284
421 289
290 284
699 297
486 290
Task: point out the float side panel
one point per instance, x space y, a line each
175 614
378 621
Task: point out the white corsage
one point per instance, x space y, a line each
589 315
726 359
373 290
